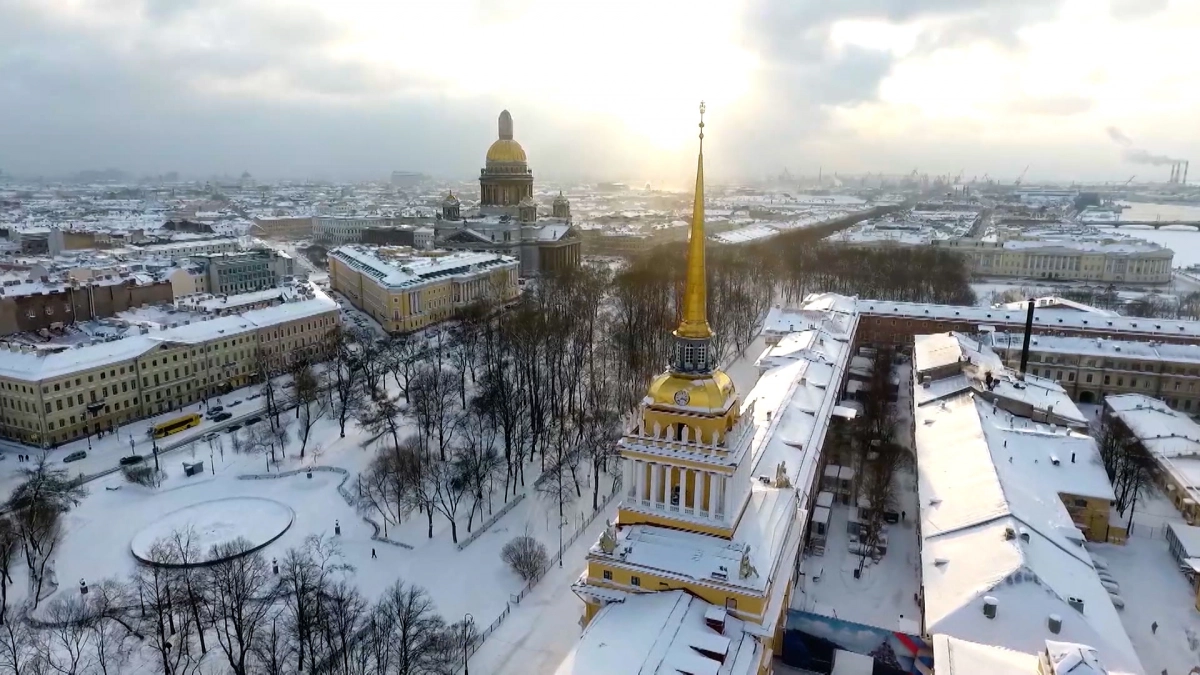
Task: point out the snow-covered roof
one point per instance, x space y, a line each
1162 431
995 531
1054 302
1044 319
952 656
41 366
1160 352
662 633
398 267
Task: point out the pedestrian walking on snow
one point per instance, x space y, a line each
374 556
1154 628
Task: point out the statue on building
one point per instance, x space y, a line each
781 478
608 539
745 570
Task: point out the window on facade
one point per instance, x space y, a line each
608 575
636 581
1107 379
731 603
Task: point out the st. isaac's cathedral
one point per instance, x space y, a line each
507 220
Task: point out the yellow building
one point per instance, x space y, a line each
51 398
708 505
405 291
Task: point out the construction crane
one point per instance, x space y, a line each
1020 178
1129 181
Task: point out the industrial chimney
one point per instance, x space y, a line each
1028 333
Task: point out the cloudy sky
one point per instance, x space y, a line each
1090 89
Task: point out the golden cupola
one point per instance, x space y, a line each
693 384
506 150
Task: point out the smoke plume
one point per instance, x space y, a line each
1137 155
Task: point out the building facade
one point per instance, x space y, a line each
289 227
405 291
37 304
194 247
50 398
1092 369
1108 262
338 230
246 271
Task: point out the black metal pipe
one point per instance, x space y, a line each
1028 332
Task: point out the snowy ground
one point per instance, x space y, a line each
1155 590
542 629
885 594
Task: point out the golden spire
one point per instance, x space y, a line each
695 295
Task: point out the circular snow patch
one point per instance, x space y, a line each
207 525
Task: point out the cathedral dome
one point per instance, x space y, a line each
561 199
506 151
450 200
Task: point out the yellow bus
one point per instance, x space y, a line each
174 426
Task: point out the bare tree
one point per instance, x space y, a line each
346 375
238 590
343 615
111 646
450 483
381 490
65 644
18 650
152 582
307 573
435 406
40 528
418 472
10 542
415 628
185 553
526 556
479 460
275 649
400 353
382 415
310 405
1129 468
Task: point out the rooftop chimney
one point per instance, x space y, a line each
989 606
1028 332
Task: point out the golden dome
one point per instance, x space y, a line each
712 393
507 151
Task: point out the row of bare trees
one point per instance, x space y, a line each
296 614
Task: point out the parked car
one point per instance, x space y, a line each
253 420
238 402
131 459
215 409
222 416
232 428
75 456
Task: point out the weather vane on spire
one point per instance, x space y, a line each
701 120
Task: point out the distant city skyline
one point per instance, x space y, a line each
357 89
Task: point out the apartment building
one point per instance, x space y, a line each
895 323
338 230
245 271
405 291
51 398
288 227
1092 369
1108 261
195 247
34 304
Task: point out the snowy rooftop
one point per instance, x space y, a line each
1149 351
1162 431
661 634
952 656
1054 302
41 366
398 267
1057 319
994 531
936 353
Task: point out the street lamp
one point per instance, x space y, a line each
468 621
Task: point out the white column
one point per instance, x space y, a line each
712 495
639 468
630 478
729 499
654 483
689 503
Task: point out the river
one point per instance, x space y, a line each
1184 241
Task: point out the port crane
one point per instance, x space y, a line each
1020 178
